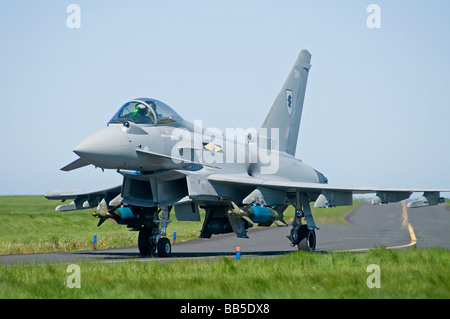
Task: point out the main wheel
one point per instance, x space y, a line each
306 239
164 247
146 244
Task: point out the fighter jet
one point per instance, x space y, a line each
242 178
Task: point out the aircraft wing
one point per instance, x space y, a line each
331 195
83 200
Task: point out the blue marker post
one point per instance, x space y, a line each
174 237
95 241
238 253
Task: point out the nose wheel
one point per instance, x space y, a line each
150 243
151 240
164 247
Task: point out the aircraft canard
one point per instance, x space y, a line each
163 167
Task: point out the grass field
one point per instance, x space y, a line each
29 224
409 273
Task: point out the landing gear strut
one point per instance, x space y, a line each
304 236
152 240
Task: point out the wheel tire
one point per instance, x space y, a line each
145 242
306 239
164 247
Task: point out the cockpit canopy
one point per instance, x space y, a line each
146 111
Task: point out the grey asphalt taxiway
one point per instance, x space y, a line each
392 226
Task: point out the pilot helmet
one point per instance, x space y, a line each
141 109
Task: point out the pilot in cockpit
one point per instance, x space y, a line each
143 110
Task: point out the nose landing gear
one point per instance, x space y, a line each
152 240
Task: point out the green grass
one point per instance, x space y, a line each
413 273
29 224
334 215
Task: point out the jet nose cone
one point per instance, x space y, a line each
108 147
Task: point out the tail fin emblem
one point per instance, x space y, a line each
289 101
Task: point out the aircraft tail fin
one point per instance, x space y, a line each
286 112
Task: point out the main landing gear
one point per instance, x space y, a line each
303 235
152 240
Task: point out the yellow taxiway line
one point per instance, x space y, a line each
405 223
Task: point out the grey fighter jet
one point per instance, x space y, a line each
241 178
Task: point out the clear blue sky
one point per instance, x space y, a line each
377 107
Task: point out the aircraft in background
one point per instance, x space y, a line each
247 178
